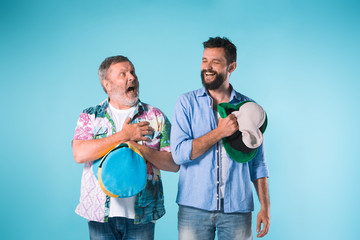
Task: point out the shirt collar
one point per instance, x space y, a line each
234 96
202 92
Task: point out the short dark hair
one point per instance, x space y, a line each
229 47
105 65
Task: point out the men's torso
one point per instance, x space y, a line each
99 124
200 179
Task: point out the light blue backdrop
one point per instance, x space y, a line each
298 59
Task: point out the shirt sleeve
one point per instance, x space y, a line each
258 165
165 135
84 128
181 138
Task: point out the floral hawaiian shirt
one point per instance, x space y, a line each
94 123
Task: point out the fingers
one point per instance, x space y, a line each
142 131
143 123
145 139
265 228
232 116
127 120
258 225
228 125
146 130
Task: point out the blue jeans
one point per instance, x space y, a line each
198 224
121 228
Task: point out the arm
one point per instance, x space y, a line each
226 127
90 150
184 147
261 186
162 160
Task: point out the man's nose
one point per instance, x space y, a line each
208 66
131 77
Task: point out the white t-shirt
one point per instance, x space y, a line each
121 207
224 162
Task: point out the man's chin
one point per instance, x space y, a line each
211 83
132 102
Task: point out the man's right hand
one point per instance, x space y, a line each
228 126
137 131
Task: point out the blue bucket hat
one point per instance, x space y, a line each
121 172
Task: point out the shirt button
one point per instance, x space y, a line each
218 182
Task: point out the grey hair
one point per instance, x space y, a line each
105 65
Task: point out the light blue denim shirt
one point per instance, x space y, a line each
199 180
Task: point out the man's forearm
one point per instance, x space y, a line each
90 150
202 144
261 186
162 160
263 217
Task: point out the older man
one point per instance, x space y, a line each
120 118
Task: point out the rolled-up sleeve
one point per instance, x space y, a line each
258 166
181 138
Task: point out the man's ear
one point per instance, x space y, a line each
232 67
106 85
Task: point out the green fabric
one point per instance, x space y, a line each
234 154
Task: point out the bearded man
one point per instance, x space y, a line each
214 191
121 118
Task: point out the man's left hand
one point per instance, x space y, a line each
263 218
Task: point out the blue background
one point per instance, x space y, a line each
298 59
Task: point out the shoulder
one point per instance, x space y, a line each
97 110
190 97
241 97
151 110
193 94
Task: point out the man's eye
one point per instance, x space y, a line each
122 74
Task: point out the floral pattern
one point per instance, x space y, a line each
95 123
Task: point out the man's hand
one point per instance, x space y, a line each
162 160
227 126
263 218
136 132
90 150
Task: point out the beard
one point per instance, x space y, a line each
126 101
216 83
121 96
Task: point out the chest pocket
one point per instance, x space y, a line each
100 132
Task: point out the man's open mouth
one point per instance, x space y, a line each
131 89
210 74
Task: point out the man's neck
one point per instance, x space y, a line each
220 95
